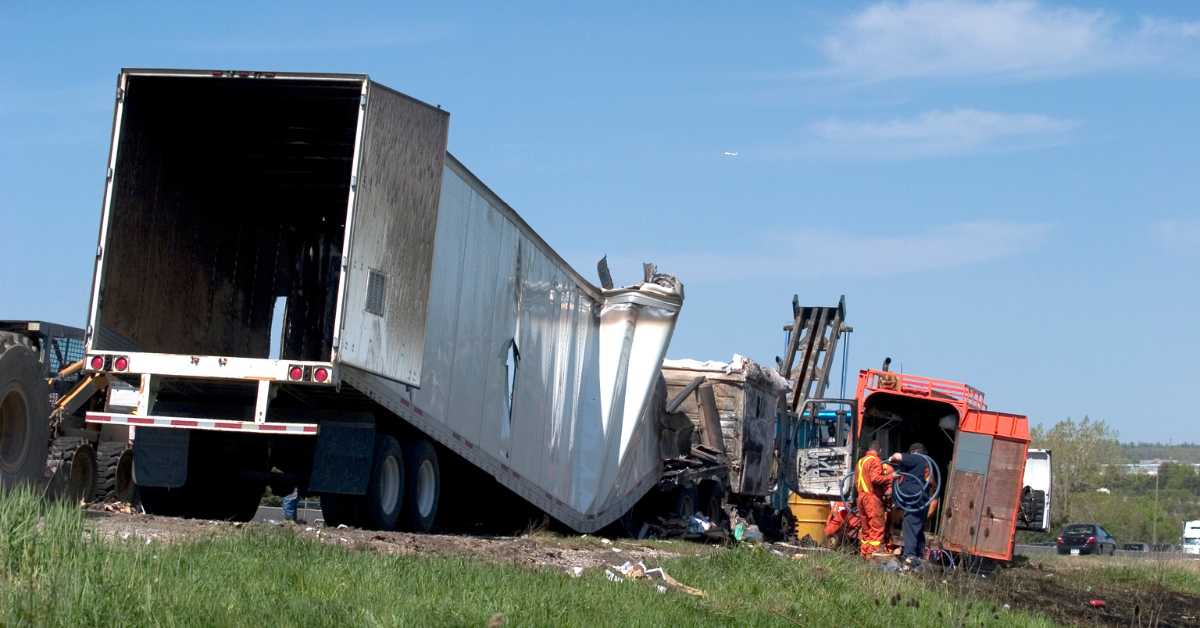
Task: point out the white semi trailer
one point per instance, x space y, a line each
306 287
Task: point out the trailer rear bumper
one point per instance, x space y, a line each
218 425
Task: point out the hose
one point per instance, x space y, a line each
917 501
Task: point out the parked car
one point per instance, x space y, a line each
1136 547
1085 538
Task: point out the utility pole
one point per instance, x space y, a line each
1154 525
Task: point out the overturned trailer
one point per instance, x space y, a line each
309 290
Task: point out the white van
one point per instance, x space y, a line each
1035 496
1191 537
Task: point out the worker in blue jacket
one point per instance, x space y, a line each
915 468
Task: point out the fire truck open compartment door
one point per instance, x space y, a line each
984 489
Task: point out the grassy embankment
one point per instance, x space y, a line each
56 572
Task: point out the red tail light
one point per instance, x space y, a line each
97 363
1091 540
321 374
121 363
295 373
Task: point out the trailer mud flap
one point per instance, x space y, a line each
342 459
160 457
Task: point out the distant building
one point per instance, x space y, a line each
1149 467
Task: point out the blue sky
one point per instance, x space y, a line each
1007 193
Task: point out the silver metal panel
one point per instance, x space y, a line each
580 444
392 234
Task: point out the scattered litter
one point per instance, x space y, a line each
606 541
660 588
747 533
1096 603
309 529
575 572
699 524
1006 607
342 526
616 550
799 556
639 572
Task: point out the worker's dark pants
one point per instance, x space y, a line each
914 533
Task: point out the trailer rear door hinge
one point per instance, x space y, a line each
99 251
120 94
354 183
108 174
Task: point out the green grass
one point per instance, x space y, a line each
54 572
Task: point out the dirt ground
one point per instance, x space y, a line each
540 550
1066 594
1059 590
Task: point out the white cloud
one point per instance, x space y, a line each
940 132
1017 39
812 254
1178 236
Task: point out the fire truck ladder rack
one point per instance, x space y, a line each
811 344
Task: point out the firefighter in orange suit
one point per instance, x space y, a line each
873 479
841 526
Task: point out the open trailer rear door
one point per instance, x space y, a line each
984 491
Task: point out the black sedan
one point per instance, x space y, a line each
1086 538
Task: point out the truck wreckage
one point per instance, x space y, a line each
342 307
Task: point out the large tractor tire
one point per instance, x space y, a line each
24 414
422 486
114 472
74 467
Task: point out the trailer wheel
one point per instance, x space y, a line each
385 492
423 487
24 415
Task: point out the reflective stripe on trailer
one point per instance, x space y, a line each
202 424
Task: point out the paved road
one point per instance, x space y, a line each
1049 550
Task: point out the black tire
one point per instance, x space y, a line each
684 502
108 461
339 510
74 463
712 501
125 487
422 486
24 414
385 492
